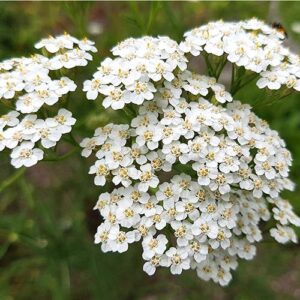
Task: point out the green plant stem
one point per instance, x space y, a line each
286 95
10 180
74 140
129 112
209 68
232 77
241 82
7 105
246 82
220 68
71 140
62 157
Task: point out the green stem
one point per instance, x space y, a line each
74 140
10 180
62 157
209 68
7 105
232 78
241 82
220 67
129 112
247 81
286 95
278 98
71 140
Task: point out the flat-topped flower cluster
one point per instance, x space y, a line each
27 88
195 173
129 78
251 44
192 181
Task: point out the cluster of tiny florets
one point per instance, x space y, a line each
28 86
130 77
193 175
193 186
251 44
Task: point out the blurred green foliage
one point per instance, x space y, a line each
47 222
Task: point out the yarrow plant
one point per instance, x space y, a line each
28 87
194 175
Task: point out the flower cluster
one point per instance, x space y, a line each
196 175
191 180
27 86
21 136
251 44
130 76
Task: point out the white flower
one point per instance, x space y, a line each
154 246
86 45
176 259
147 178
118 156
141 90
222 239
64 120
283 234
198 251
158 161
223 277
265 168
119 240
174 151
205 173
182 231
206 270
29 103
238 49
116 98
12 137
158 69
93 88
215 46
9 86
203 227
221 182
90 144
149 136
102 236
270 80
54 44
46 131
10 119
245 250
123 175
45 95
62 86
151 265
292 82
187 208
127 213
101 170
26 155
220 94
168 191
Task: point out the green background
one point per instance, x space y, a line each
46 218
